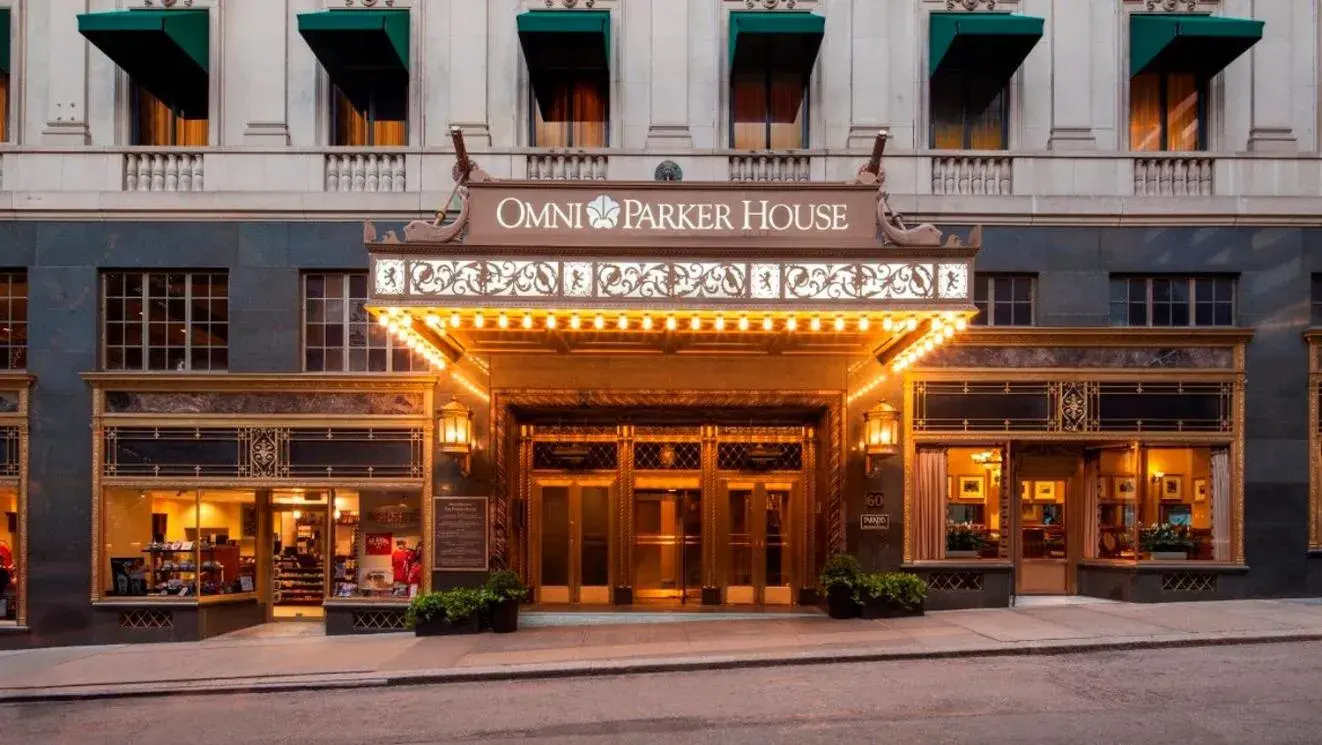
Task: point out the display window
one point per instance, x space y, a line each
974 497
378 544
181 544
9 555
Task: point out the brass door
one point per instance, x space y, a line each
760 545
1049 520
573 529
667 550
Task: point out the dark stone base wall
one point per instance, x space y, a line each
125 624
1164 584
955 587
375 618
265 261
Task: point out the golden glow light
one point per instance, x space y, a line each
766 323
455 320
455 431
574 322
599 323
623 322
961 324
695 323
862 323
743 323
670 323
647 323
911 324
503 321
881 425
550 320
720 323
527 320
478 321
839 323
406 320
383 320
815 324
791 323
887 324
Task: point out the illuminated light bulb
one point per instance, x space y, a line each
961 324
791 323
433 320
911 324
695 323
337 514
887 324
939 339
574 322
392 311
863 323
839 323
478 321
406 320
383 319
743 323
440 364
623 322
928 345
815 324
456 319
647 323
503 321
599 323
766 323
550 320
948 331
671 323
720 323
392 327
298 514
527 320
936 324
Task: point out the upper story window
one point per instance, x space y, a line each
972 57
1004 299
13 320
338 332
772 55
1172 56
5 19
365 53
166 55
568 56
165 321
1173 301
1315 302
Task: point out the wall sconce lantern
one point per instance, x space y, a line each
881 434
456 434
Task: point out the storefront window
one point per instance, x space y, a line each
1112 491
178 543
9 556
378 544
974 501
1178 512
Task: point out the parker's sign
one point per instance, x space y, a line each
630 213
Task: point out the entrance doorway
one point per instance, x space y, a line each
300 540
759 550
573 540
667 551
1049 509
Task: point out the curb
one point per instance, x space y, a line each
273 684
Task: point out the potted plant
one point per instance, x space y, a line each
505 591
963 541
891 594
453 611
838 580
1166 542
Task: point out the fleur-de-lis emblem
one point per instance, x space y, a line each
603 212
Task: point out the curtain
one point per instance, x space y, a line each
929 518
748 110
4 107
158 125
1182 113
968 112
383 123
577 113
785 112
590 105
1092 496
1221 518
1145 115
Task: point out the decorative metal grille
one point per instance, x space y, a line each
146 619
1189 582
958 581
263 452
667 456
10 464
748 456
575 456
378 620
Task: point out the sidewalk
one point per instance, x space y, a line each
289 657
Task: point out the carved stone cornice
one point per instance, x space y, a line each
971 4
1169 6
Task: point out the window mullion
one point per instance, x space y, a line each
346 320
188 321
145 296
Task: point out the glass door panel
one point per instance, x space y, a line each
555 548
691 521
740 581
594 544
1043 535
659 544
777 545
759 542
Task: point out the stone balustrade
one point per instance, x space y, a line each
567 165
1174 176
366 172
770 166
163 171
976 175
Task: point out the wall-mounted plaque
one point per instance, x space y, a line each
874 521
460 535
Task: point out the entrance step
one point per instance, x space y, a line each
1054 601
542 619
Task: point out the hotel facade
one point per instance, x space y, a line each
310 305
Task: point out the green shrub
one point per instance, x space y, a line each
841 570
505 585
899 588
455 604
964 537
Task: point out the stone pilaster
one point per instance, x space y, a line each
257 32
1071 94
669 118
1270 129
469 28
65 70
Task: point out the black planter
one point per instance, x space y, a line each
505 617
840 602
441 627
879 608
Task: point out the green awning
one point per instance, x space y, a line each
4 40
358 48
168 52
1194 44
991 44
563 41
781 42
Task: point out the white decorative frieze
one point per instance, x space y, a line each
473 281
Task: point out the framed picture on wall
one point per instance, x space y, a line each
1124 488
1025 491
1200 490
1172 487
1044 491
971 487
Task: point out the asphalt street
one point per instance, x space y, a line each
1260 694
